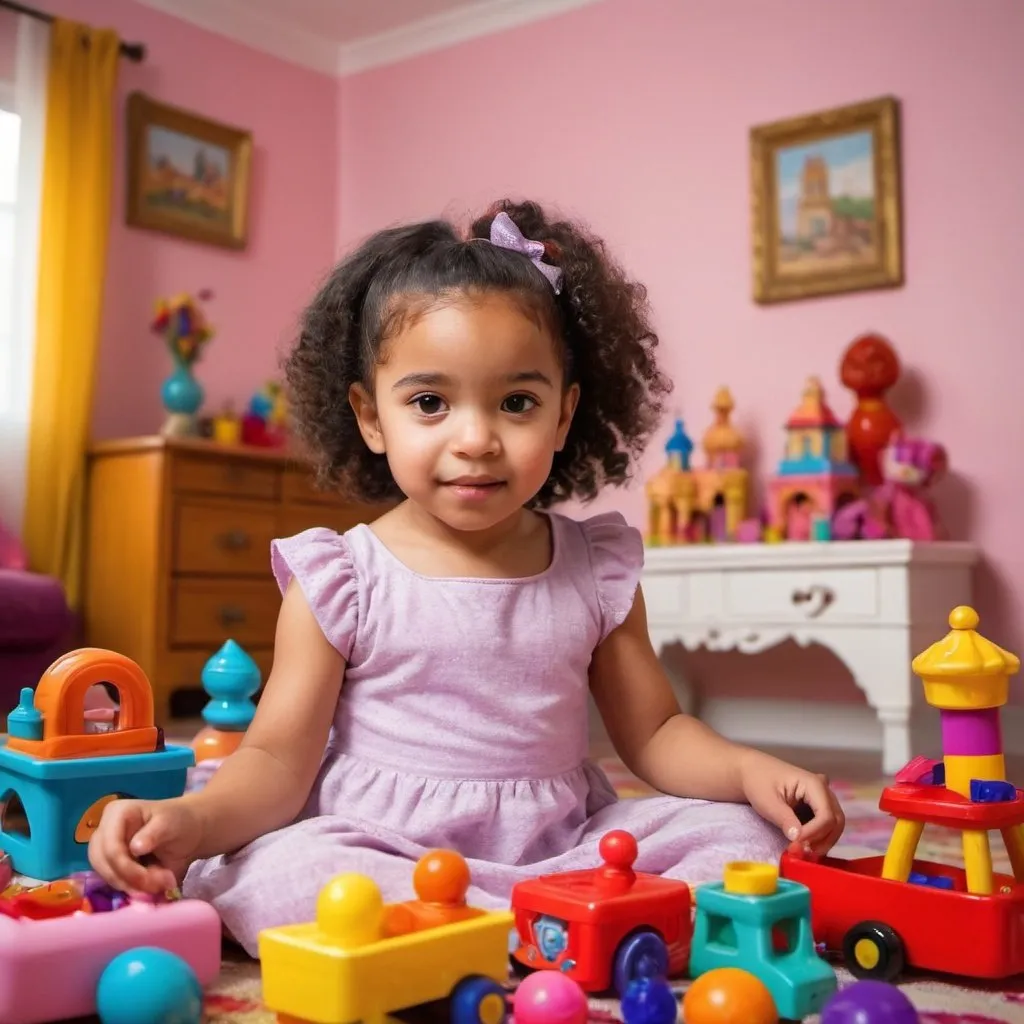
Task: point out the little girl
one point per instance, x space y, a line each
432 670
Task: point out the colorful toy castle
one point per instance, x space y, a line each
815 477
687 505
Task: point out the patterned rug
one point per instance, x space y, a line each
235 997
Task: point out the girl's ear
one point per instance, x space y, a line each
366 416
569 402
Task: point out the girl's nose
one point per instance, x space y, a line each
476 437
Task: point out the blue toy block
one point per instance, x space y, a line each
736 930
992 791
57 795
935 881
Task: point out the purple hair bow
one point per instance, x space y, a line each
506 235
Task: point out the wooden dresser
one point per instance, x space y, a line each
178 536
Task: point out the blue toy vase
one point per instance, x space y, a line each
182 396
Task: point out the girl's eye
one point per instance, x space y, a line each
428 405
518 404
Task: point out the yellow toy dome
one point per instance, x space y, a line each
350 911
722 438
964 670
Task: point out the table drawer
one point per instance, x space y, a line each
210 611
829 595
239 478
223 538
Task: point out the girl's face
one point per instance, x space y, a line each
469 405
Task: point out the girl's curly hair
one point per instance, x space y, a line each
600 317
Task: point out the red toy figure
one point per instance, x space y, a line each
869 368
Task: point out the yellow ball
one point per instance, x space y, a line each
350 910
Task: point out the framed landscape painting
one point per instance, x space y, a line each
826 202
187 176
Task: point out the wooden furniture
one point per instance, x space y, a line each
874 604
178 536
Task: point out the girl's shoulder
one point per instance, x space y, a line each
608 552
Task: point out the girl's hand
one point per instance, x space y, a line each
145 845
775 789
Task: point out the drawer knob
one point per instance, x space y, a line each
231 615
234 540
817 597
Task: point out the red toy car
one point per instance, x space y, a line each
880 926
606 926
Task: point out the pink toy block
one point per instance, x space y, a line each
49 969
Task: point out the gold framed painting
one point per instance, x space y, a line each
187 176
825 191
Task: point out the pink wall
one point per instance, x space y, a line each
292 114
646 138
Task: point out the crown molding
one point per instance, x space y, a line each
426 35
235 20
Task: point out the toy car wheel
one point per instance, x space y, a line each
873 950
478 1000
640 955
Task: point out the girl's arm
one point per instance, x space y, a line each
679 755
265 783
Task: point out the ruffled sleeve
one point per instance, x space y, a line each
616 559
321 563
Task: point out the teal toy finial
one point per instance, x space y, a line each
231 678
26 721
679 447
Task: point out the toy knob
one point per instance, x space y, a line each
441 876
746 878
25 721
350 911
618 849
963 617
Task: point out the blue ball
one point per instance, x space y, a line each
869 1002
649 1001
148 985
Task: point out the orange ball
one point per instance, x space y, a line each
441 876
728 995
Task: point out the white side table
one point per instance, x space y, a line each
874 604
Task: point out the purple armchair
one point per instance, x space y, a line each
36 627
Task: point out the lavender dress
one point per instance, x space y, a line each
462 723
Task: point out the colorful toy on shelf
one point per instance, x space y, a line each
76 962
887 912
362 959
687 505
870 1002
265 423
231 678
728 995
607 926
900 507
762 924
56 777
815 477
869 368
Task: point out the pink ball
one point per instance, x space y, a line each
547 997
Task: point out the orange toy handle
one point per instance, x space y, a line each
60 697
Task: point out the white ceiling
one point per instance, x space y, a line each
345 36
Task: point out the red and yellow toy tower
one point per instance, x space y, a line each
966 677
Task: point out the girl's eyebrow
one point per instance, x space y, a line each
438 380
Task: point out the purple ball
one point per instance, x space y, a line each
869 1002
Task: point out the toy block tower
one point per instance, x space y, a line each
966 677
56 778
230 678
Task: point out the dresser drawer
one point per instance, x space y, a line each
223 538
298 486
210 611
297 518
242 478
827 595
183 669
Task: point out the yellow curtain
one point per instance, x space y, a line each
74 225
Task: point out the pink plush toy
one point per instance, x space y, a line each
12 554
900 506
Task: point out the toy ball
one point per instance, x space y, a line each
148 985
728 995
649 1001
869 1002
548 997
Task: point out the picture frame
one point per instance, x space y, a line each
826 202
186 175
